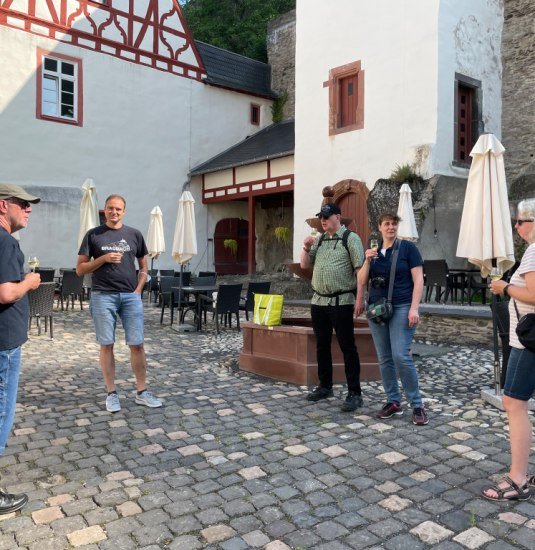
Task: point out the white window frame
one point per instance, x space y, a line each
59 78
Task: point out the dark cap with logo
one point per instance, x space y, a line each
8 190
328 210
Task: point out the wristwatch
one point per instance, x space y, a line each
505 291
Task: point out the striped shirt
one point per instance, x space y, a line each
334 267
518 279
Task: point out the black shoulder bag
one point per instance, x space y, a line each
525 329
383 310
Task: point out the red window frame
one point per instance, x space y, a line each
41 54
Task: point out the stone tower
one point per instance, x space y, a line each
518 97
281 57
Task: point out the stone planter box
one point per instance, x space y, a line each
288 352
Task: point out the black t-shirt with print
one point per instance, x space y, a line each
13 317
114 277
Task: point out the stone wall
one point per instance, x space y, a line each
455 330
271 254
518 50
281 57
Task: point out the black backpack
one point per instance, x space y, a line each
344 239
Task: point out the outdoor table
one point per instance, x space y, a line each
196 291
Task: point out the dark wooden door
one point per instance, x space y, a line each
348 101
465 143
354 206
226 262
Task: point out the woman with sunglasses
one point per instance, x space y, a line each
520 377
393 338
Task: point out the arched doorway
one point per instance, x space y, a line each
352 198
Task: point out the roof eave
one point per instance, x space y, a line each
200 171
247 91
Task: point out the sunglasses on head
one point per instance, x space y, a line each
520 222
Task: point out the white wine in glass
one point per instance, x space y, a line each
33 262
374 244
314 232
495 274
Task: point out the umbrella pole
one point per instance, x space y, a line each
497 387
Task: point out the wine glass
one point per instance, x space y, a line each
33 262
495 274
314 232
374 244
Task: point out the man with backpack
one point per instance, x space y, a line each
336 257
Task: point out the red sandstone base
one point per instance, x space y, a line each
288 352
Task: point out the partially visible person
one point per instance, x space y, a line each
394 337
15 209
109 253
520 375
336 256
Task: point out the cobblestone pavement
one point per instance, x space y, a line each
233 461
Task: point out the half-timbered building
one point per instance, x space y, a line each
119 91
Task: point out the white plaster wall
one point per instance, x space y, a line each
396 40
469 43
143 131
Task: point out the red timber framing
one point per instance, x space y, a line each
249 191
150 32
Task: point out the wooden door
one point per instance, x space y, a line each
348 101
354 206
465 100
226 262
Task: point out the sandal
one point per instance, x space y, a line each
520 493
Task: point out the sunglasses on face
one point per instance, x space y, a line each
24 205
520 222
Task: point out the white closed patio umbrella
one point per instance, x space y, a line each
486 235
407 226
185 237
155 235
89 217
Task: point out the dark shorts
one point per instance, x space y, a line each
520 377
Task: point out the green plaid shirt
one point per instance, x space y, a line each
334 267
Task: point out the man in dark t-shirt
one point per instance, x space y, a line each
109 253
15 209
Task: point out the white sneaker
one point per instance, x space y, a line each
113 404
147 399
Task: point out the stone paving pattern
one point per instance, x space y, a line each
233 461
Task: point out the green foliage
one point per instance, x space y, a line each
282 234
236 25
404 174
277 108
232 245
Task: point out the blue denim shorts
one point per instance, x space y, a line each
104 308
520 377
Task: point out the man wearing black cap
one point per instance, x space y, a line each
15 208
336 256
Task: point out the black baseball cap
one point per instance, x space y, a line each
328 210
